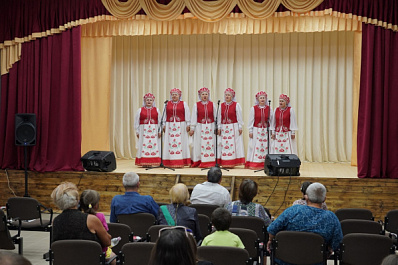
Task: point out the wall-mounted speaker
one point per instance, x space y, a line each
104 161
25 129
282 165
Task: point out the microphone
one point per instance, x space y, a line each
218 102
166 101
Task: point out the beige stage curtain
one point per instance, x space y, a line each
301 5
314 69
257 10
96 67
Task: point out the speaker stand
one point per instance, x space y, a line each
26 170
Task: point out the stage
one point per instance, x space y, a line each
344 188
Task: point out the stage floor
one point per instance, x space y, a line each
307 169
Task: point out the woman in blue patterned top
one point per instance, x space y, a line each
245 205
309 218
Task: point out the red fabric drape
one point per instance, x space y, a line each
377 118
46 81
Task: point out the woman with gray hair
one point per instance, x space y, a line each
72 223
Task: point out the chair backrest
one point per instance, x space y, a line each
391 222
139 222
354 213
251 222
349 226
224 255
299 248
364 249
122 230
6 241
206 209
204 223
249 239
24 208
153 232
76 252
136 253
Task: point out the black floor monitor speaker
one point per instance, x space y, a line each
103 161
282 165
25 129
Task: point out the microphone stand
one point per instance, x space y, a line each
216 134
269 115
161 142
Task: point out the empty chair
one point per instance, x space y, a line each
364 249
251 222
224 255
153 232
205 224
391 222
76 252
206 209
136 253
354 213
139 222
299 248
6 240
249 239
122 230
349 226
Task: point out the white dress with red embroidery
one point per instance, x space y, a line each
176 146
202 123
258 145
231 152
146 125
284 124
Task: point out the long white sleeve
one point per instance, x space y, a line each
194 118
187 114
293 121
273 121
239 115
165 115
251 120
159 118
219 118
137 121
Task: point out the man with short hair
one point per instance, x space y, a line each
309 218
211 192
132 201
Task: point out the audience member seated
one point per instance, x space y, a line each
72 223
309 218
176 246
245 205
390 260
221 219
302 201
132 202
211 192
10 258
89 203
177 213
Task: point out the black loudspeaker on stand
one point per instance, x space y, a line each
282 165
103 161
25 135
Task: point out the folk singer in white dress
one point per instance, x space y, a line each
202 130
146 125
230 121
283 127
259 121
177 120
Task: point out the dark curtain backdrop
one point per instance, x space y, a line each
378 118
47 82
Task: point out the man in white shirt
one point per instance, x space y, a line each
211 192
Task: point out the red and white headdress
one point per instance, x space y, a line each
148 95
176 90
230 91
203 89
285 98
262 93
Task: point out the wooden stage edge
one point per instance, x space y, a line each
345 189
